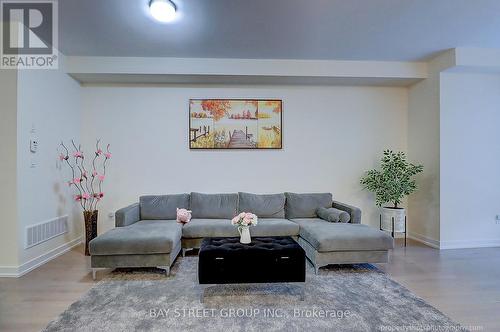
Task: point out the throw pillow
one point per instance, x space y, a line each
333 215
183 216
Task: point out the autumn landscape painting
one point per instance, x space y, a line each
235 124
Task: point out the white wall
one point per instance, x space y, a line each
423 148
453 116
49 101
470 159
424 106
331 135
8 181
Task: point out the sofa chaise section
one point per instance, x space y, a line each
146 235
328 242
342 243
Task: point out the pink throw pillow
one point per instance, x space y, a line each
183 216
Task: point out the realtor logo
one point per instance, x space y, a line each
29 34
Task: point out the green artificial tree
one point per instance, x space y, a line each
395 179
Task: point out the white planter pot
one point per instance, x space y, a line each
398 214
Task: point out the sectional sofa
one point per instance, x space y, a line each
147 234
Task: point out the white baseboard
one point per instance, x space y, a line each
8 271
424 239
461 244
18 271
464 244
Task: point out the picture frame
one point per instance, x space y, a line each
235 124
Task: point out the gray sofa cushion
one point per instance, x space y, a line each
199 228
264 206
275 227
143 237
305 205
162 207
325 236
214 206
333 215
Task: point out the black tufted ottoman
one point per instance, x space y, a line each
264 260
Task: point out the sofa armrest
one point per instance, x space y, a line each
353 211
127 215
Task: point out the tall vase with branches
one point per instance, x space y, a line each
87 179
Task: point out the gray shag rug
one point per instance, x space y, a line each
340 298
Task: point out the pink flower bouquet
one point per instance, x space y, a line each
245 219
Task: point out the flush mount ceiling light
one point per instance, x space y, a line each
162 10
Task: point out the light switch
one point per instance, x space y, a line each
33 145
33 139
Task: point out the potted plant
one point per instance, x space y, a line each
394 181
87 181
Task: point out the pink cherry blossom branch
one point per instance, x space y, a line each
66 158
101 178
78 154
98 152
83 172
88 196
95 173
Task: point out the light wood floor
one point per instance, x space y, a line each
464 284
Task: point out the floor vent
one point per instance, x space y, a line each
45 231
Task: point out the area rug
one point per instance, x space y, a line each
341 298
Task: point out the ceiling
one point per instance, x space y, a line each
387 30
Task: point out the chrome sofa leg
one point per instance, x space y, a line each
94 273
316 269
201 294
184 252
166 268
303 292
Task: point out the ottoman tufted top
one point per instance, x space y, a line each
258 244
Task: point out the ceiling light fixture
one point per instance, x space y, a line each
163 10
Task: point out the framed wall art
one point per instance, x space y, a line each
235 123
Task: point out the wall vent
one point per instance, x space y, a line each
46 230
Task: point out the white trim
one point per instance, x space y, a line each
158 70
18 271
8 271
464 244
424 239
244 67
460 244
